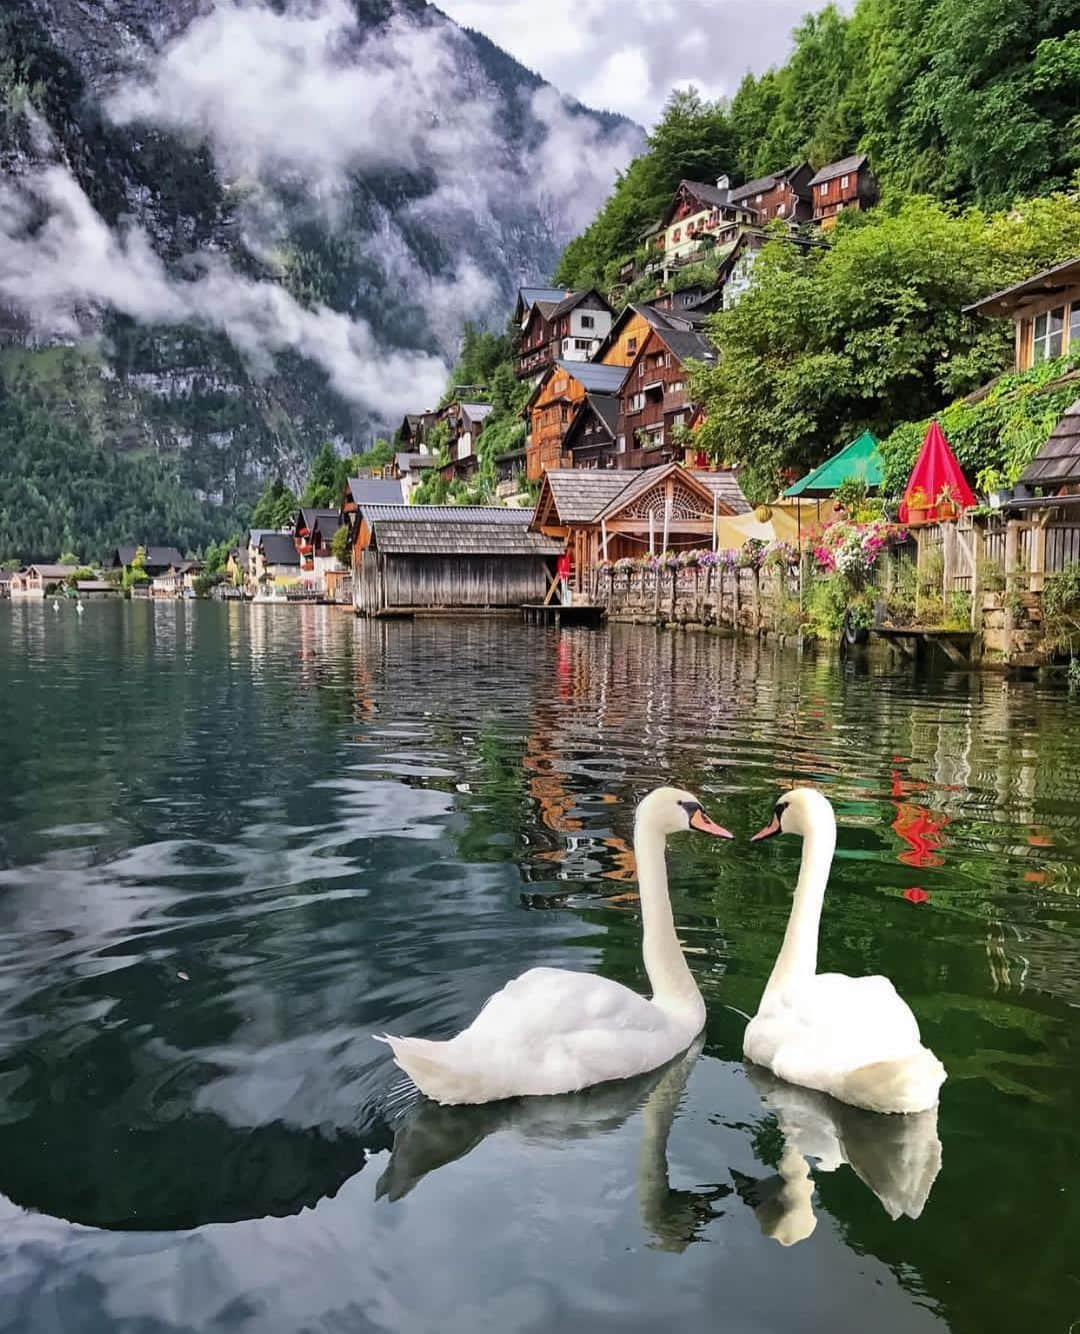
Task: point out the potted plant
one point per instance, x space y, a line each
946 502
918 502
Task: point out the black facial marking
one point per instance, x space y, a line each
690 807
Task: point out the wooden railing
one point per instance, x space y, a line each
744 598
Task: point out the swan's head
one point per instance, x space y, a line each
797 812
670 810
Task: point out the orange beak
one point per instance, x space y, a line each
699 820
770 831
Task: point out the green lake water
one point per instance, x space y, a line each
236 841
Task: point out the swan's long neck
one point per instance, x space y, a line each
674 988
797 960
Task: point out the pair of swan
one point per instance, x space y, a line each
552 1031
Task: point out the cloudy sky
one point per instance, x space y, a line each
627 55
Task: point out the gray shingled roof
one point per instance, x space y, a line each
726 485
686 344
1058 462
763 183
279 549
452 514
376 490
834 169
155 556
581 493
431 537
596 378
54 571
708 194
405 462
327 521
530 295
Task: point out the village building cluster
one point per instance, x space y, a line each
611 388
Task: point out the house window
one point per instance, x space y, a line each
641 369
631 345
780 210
844 182
823 188
587 322
1048 334
758 199
676 236
1074 324
620 444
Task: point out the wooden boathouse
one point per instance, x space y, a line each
410 559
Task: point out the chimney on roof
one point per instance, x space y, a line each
723 183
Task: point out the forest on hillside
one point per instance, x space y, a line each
972 101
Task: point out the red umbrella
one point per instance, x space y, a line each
935 468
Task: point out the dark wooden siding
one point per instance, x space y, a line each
395 582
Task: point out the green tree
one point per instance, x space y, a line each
68 558
339 546
135 573
867 332
322 484
276 507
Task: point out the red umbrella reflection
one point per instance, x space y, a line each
917 826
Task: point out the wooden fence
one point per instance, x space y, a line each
748 599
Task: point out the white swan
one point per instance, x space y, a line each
56 604
553 1031
852 1037
79 608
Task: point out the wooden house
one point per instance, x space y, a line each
628 333
417 558
158 559
655 399
35 581
609 514
785 194
414 429
552 405
313 534
279 560
590 440
409 469
848 183
466 423
1045 310
698 216
570 329
177 581
6 577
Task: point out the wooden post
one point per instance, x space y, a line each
1012 536
667 518
604 538
656 595
736 575
652 533
756 599
978 560
1037 580
674 589
715 520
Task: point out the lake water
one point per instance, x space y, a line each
236 841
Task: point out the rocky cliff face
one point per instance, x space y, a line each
229 232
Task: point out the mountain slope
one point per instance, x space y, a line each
263 227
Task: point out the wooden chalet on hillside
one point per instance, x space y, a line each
568 329
1045 310
408 469
605 515
466 423
417 558
785 194
848 183
655 399
552 404
698 214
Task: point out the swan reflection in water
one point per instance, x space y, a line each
430 1136
896 1157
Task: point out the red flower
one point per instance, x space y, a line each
916 895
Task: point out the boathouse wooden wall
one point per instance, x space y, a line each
387 583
